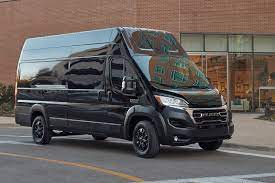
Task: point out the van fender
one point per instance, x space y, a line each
147 112
39 108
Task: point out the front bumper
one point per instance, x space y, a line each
193 133
187 136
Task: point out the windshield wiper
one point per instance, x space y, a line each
180 87
198 87
161 84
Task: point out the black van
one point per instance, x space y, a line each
131 83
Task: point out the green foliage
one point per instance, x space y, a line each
6 99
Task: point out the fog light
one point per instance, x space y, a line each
176 138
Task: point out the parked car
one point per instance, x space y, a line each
130 83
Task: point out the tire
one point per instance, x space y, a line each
40 131
145 140
99 137
211 146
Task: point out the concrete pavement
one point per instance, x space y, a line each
7 121
252 133
83 159
249 133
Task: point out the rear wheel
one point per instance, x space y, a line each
211 146
40 131
145 140
99 137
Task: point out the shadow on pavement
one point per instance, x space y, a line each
124 147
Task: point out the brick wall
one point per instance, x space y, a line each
237 16
28 18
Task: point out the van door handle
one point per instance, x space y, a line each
44 92
99 95
109 96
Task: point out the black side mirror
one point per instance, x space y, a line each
129 86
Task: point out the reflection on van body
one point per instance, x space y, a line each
130 83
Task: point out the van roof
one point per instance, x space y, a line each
77 38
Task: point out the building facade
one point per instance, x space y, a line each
232 41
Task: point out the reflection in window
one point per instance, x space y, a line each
86 73
120 68
240 43
42 73
155 42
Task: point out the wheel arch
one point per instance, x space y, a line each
37 110
140 113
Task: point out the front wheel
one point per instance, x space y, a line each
145 140
211 146
40 131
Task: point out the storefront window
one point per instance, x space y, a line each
216 43
264 79
240 43
264 43
216 72
192 42
251 61
241 81
198 60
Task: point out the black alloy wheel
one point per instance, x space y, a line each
40 131
145 140
141 142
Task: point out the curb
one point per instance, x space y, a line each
9 125
250 147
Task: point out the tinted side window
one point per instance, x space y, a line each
120 68
86 73
33 74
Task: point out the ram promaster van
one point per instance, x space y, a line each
130 83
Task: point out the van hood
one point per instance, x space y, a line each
200 98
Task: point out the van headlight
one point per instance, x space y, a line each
171 101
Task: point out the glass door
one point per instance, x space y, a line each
216 71
215 67
198 59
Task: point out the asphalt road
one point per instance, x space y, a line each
80 159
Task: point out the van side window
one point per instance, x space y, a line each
45 73
120 68
86 73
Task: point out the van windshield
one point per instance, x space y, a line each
152 42
163 61
170 72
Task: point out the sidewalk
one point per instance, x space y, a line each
249 132
7 121
252 133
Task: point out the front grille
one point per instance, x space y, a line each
213 116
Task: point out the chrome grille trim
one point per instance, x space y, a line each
220 113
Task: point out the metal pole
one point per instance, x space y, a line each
228 81
259 97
